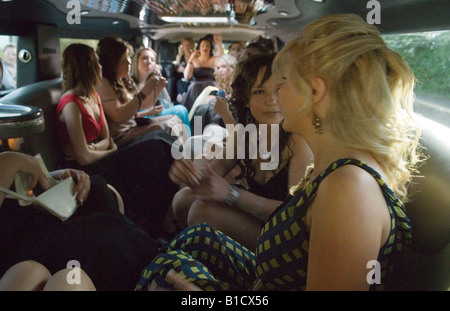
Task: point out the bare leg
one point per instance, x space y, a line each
25 276
181 204
59 282
232 221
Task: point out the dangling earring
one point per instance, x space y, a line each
317 125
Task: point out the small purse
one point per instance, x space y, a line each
58 200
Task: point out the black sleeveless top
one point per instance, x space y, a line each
276 188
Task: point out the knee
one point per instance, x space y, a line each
181 204
199 213
25 276
70 280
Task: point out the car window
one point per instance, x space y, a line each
8 56
65 42
427 53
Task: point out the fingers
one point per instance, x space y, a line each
180 283
184 172
82 186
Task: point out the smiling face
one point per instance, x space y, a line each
263 103
295 99
147 62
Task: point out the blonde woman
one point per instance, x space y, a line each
350 97
215 108
144 67
120 99
138 170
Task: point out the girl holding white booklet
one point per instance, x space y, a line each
97 243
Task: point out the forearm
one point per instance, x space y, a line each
189 70
91 156
9 171
227 118
257 206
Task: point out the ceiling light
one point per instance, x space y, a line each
283 13
196 19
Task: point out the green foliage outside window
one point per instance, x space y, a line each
428 55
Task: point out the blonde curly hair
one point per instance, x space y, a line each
371 91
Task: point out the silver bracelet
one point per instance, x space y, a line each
233 196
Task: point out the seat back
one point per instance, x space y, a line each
425 265
44 95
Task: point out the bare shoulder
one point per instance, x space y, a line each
350 188
106 91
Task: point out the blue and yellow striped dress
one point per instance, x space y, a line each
213 261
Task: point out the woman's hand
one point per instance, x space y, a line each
194 55
184 172
213 187
155 83
82 182
221 106
217 38
28 165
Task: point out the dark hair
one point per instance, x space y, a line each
110 50
245 77
80 68
211 43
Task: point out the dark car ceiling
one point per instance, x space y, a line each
136 17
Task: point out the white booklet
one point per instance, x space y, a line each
58 200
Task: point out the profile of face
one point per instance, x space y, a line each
292 102
147 62
263 103
124 65
223 70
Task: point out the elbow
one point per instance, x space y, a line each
84 159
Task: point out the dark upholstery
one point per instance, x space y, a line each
425 266
44 95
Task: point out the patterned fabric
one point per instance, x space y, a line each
213 261
282 251
228 265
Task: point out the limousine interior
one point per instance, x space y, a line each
40 29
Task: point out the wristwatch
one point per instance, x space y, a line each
233 196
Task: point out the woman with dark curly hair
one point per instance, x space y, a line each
259 190
350 97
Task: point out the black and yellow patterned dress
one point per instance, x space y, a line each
213 261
